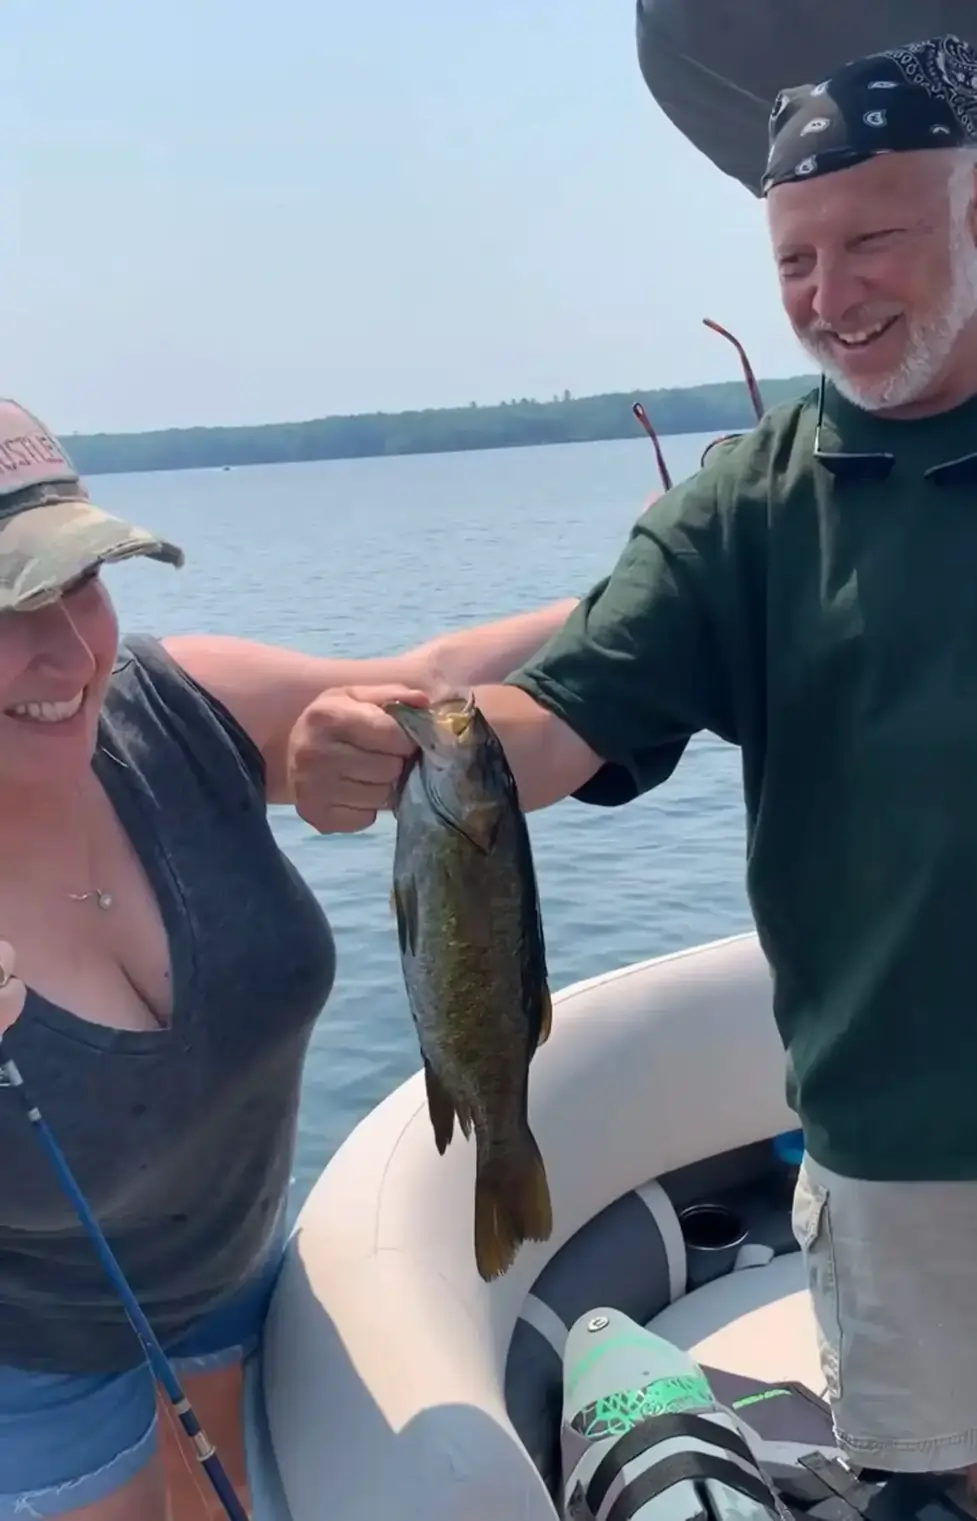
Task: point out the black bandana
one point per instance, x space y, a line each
923 95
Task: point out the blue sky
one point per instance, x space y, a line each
222 212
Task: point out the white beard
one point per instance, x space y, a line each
930 342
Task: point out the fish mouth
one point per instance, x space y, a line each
457 714
453 716
415 722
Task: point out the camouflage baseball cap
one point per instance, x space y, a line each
50 531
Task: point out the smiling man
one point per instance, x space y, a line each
811 596
877 266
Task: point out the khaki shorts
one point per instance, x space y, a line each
893 1275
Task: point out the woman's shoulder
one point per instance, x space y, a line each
155 706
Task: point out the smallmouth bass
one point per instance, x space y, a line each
474 962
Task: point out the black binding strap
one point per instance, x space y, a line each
697 1466
664 1428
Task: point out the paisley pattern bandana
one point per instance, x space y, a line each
923 95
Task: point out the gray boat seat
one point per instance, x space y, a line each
758 1321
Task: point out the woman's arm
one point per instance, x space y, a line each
268 689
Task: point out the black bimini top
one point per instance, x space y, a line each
715 66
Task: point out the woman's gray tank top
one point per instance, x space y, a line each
181 1139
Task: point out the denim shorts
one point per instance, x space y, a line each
68 1440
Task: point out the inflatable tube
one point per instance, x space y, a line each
396 1383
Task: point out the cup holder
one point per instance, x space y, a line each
713 1236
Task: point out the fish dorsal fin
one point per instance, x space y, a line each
539 975
546 1016
405 907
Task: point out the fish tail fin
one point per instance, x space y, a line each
512 1204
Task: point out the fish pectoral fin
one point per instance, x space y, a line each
440 1107
545 1017
481 827
404 899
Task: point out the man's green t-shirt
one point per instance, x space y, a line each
828 626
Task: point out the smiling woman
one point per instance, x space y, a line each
170 966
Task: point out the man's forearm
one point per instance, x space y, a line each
491 651
548 760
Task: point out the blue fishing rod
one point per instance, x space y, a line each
158 1361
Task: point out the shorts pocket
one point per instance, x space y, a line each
811 1222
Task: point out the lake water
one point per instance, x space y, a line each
367 557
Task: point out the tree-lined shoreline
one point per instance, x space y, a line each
720 408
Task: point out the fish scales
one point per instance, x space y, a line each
474 963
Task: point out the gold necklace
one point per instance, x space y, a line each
102 900
96 895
